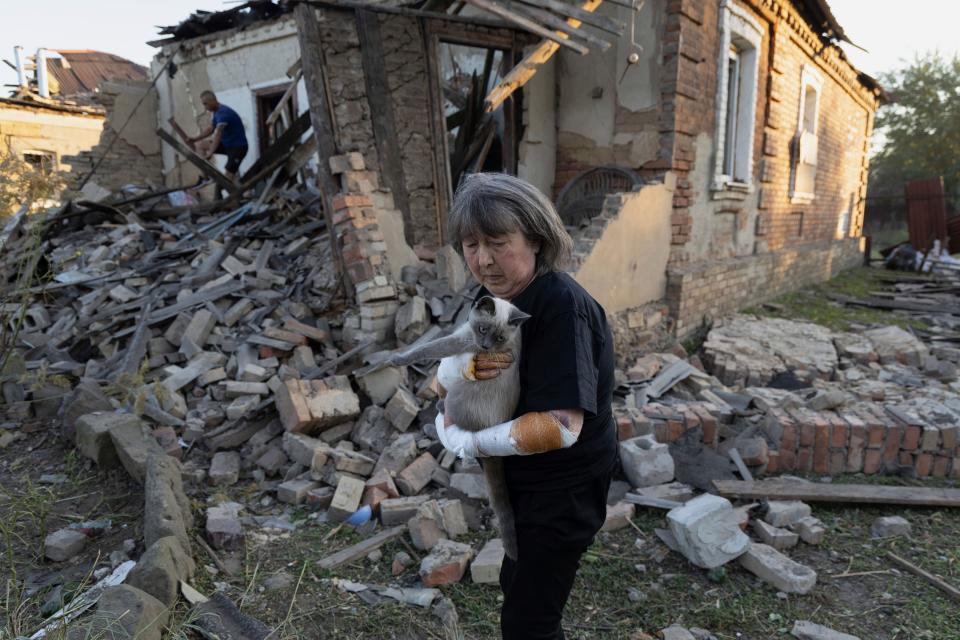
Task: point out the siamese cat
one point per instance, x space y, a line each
492 326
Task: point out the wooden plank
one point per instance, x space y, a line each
614 27
844 493
284 99
936 581
384 124
438 130
361 549
560 25
528 24
528 67
277 152
313 67
200 162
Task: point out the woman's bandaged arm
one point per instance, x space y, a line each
534 432
540 431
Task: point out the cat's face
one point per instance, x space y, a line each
495 323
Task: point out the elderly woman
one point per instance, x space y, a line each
561 448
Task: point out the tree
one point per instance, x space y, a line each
22 183
920 128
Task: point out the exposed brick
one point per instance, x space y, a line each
924 464
872 461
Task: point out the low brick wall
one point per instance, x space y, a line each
864 439
718 288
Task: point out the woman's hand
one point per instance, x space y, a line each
488 364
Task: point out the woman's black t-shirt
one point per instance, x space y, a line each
566 362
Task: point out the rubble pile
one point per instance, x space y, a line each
793 396
199 353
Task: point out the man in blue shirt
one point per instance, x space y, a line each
224 136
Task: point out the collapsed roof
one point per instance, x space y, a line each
82 71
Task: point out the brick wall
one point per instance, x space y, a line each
716 288
733 249
862 439
124 163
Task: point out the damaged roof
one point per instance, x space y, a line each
201 23
82 71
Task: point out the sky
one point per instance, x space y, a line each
892 31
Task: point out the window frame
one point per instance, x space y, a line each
809 78
739 31
44 154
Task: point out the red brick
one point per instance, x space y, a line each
805 459
911 438
892 446
906 458
807 434
941 466
773 463
674 430
821 448
924 464
872 461
855 457
660 431
344 200
788 460
788 440
838 461
625 428
875 436
839 432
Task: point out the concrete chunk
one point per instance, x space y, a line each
398 454
395 511
224 529
93 436
776 537
133 443
306 451
707 532
618 516
402 409
472 485
806 630
224 468
346 499
776 569
412 320
810 529
417 474
446 563
64 544
294 491
646 462
161 568
485 569
314 405
785 513
166 510
890 526
125 612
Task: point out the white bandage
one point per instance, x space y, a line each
454 370
496 441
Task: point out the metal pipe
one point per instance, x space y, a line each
43 83
21 72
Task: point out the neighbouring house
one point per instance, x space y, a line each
705 153
56 117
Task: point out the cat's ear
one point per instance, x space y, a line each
517 317
486 305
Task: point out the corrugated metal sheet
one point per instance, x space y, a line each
82 71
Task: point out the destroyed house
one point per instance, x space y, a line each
704 154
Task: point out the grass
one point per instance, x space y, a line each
814 305
879 606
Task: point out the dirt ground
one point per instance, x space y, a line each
276 579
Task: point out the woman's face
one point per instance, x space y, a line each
505 264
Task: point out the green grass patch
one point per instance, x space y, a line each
813 303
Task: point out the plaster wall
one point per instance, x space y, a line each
627 265
35 130
538 148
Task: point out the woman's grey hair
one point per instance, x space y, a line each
495 204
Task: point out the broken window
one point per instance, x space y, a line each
43 161
736 104
477 141
804 167
267 101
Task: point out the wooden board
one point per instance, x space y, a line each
845 493
360 549
528 67
200 162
